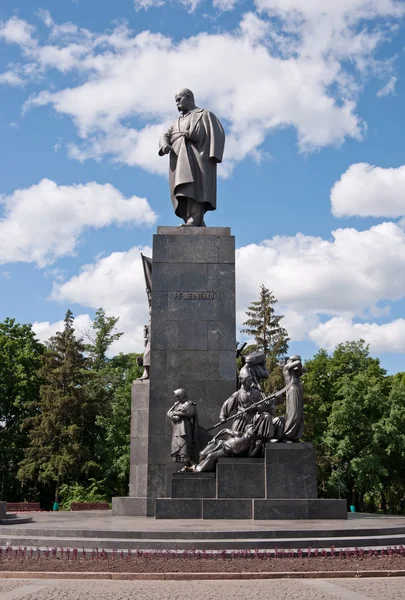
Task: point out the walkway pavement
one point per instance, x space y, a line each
104 521
279 589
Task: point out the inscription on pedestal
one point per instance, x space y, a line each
194 295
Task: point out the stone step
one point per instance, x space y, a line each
202 544
15 520
159 531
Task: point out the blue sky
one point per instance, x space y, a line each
312 184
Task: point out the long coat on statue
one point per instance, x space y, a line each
183 415
197 141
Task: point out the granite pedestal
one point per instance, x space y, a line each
193 345
282 485
291 471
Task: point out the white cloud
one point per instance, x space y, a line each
146 4
45 330
342 278
290 72
10 78
45 221
388 89
345 275
332 28
225 5
17 31
116 283
389 337
298 324
368 191
121 79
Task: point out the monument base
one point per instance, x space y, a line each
125 506
282 485
250 508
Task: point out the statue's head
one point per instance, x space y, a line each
294 357
245 379
180 394
185 101
250 430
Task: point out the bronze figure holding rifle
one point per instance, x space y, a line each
251 409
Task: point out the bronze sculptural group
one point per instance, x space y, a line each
254 423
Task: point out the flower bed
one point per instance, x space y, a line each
23 506
89 506
152 561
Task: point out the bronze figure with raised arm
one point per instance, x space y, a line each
294 420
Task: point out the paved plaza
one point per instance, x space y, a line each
104 521
99 529
277 589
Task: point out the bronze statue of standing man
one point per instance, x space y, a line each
184 418
196 143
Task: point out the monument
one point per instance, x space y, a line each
256 467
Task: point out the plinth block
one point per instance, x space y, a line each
178 508
124 506
227 509
290 471
285 509
241 478
193 485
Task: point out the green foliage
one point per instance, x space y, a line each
81 425
62 433
80 493
263 324
101 337
20 361
116 420
110 388
355 416
65 411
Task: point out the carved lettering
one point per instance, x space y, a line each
194 295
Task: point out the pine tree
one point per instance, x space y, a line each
101 337
62 434
263 324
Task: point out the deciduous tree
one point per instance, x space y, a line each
20 360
